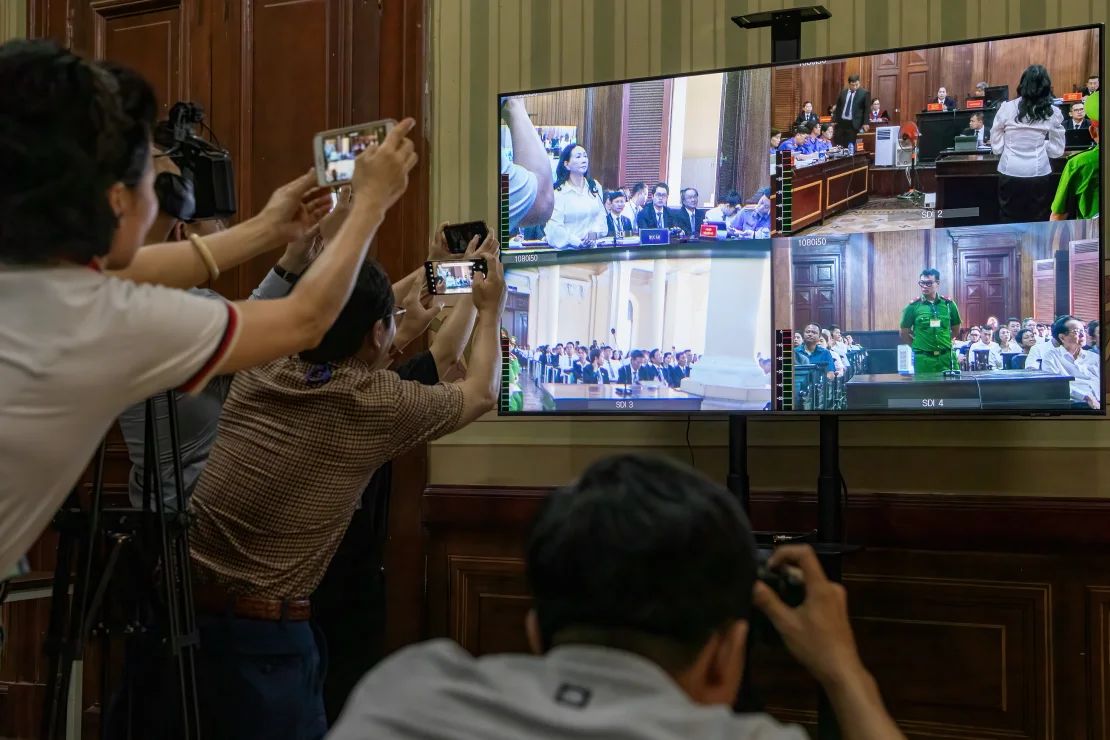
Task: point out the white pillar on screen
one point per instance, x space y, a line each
658 309
547 305
738 326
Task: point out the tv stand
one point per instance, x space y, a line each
828 539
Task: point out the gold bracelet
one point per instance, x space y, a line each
205 256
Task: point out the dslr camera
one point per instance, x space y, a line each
206 187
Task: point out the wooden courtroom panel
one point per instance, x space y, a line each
152 41
1098 661
980 616
488 601
602 128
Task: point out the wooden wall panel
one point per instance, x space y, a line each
601 134
153 41
899 258
1098 662
979 616
559 108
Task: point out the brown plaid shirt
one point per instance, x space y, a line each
297 444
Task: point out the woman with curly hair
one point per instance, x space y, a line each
1027 132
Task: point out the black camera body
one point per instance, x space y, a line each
206 189
788 588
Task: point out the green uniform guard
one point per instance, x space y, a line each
928 324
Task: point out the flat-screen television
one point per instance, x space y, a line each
910 231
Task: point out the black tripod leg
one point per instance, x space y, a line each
57 648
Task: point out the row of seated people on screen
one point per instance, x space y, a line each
878 114
598 365
980 348
1071 349
808 115
584 213
810 142
827 348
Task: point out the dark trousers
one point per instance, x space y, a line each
844 133
260 679
1025 199
349 607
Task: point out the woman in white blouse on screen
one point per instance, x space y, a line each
1026 133
578 217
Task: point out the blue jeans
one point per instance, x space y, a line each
261 679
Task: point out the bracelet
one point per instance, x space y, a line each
289 277
205 256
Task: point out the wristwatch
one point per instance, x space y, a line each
285 275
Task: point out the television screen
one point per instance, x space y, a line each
973 165
655 330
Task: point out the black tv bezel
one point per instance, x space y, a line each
965 414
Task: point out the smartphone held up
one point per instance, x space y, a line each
452 277
335 151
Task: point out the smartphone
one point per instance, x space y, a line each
335 150
458 236
452 277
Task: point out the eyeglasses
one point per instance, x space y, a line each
926 283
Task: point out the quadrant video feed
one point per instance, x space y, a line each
966 134
651 331
1001 318
652 162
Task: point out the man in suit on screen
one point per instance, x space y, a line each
657 215
850 114
688 217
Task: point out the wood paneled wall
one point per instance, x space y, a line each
979 616
269 75
906 81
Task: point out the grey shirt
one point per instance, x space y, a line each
438 690
198 417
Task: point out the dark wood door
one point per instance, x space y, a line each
987 284
817 291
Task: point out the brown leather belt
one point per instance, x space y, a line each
214 600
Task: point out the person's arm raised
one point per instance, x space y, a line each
483 378
293 209
272 329
450 341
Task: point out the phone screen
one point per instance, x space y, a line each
337 150
450 277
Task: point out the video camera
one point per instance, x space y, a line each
206 186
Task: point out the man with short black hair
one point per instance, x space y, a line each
928 325
657 215
298 441
1092 86
637 370
644 577
850 112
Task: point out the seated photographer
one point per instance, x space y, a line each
644 577
77 198
1069 358
314 428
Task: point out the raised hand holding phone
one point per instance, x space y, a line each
382 172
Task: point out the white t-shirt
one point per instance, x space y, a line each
76 349
438 691
994 353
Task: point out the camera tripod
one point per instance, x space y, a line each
128 570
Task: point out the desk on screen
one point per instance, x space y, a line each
995 390
827 188
967 188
